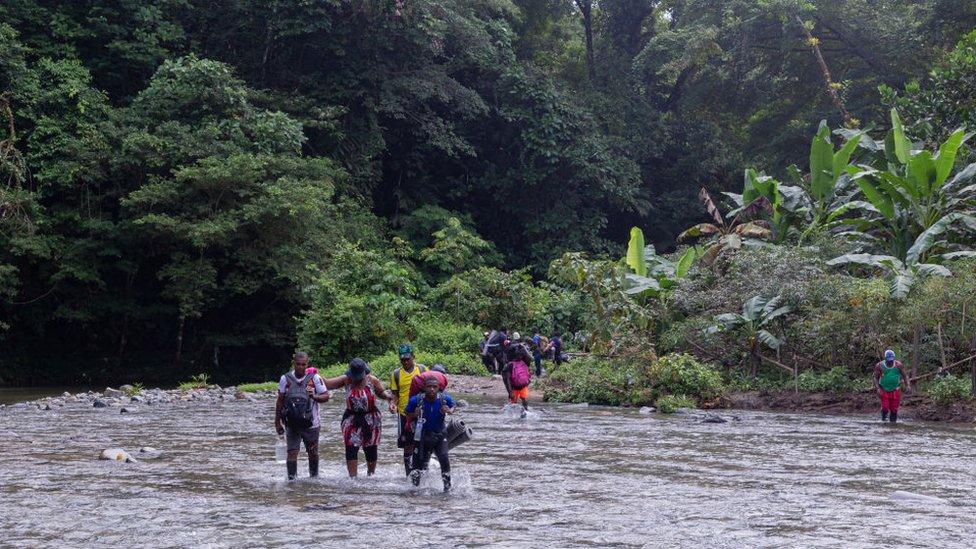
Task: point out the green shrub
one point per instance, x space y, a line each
669 404
133 389
635 382
949 389
431 334
683 374
258 387
834 379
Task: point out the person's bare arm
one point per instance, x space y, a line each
877 377
904 378
335 382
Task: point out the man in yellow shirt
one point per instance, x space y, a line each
400 385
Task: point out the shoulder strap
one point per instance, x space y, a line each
422 368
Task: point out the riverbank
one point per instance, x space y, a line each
913 406
128 399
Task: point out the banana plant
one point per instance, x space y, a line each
913 194
752 325
830 197
789 206
905 273
732 235
651 274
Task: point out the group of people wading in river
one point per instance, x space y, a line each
416 394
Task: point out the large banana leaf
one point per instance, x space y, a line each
866 260
903 147
878 198
843 157
947 155
901 284
637 284
635 252
686 260
700 229
821 164
710 206
924 242
753 307
769 339
932 269
921 169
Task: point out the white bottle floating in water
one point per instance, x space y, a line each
281 450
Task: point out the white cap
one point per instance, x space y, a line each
516 336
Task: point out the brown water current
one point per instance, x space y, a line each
568 476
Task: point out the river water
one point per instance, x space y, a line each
569 476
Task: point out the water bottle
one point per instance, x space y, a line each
281 450
419 429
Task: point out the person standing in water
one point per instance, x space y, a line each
362 420
888 376
556 345
432 406
400 382
516 374
297 408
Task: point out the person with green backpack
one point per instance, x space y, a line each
888 376
297 414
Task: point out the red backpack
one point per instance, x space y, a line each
520 375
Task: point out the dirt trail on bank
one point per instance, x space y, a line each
485 386
913 406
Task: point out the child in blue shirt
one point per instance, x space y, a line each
433 406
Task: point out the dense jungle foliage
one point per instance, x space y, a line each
199 187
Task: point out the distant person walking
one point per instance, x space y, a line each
535 344
297 414
556 346
888 377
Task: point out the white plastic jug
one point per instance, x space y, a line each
281 450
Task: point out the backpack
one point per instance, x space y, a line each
297 411
520 375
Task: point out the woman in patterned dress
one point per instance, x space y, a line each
362 420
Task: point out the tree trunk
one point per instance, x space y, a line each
179 341
832 89
586 8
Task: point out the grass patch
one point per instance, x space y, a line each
948 389
669 404
199 381
258 387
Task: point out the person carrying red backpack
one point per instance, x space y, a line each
517 373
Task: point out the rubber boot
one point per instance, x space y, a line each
415 477
313 468
894 417
407 464
447 481
884 415
292 469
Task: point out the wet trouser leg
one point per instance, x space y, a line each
506 379
405 441
310 437
440 450
537 358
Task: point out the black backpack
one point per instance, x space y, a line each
297 412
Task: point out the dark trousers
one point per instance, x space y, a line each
436 445
537 358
